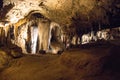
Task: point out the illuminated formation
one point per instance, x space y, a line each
41 34
52 26
59 39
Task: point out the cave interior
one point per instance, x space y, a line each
81 38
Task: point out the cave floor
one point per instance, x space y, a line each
71 65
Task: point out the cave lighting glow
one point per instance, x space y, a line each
13 19
6 24
34 37
1 25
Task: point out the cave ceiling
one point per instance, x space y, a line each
77 13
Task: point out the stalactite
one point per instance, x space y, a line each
28 40
75 40
6 29
8 38
0 35
34 37
15 31
0 32
43 33
3 40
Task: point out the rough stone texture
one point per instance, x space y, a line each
78 12
22 36
9 53
16 51
4 59
87 61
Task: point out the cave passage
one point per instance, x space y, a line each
38 34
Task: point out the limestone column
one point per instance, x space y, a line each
43 34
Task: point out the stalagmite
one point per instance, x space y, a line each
85 38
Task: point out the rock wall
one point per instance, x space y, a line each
41 34
77 12
22 37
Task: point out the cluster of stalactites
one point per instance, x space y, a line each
6 35
40 34
33 35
